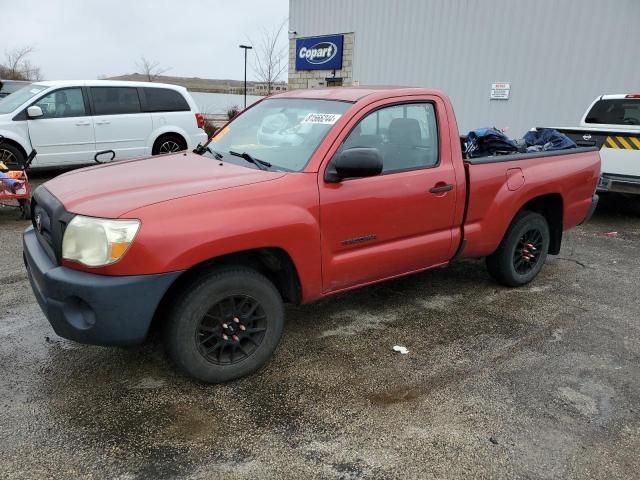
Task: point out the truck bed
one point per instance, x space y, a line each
501 185
528 156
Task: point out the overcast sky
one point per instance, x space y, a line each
86 38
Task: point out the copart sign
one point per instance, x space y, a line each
319 53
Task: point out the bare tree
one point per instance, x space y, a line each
16 66
151 69
270 56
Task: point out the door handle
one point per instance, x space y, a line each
83 124
102 122
441 188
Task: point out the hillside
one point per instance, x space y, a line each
194 84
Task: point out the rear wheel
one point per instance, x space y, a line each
225 325
522 252
170 143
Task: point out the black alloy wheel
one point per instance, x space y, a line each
231 330
224 324
522 252
527 251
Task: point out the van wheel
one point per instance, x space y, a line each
225 325
11 156
522 252
168 144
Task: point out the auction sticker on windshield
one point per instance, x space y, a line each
322 118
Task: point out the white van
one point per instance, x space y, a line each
68 122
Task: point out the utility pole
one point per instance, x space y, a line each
245 48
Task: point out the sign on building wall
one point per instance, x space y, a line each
319 53
500 91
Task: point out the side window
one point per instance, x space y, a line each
164 100
115 100
406 136
67 102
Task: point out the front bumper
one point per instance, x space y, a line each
90 308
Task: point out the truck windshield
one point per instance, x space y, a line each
9 103
618 111
281 131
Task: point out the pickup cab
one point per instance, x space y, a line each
612 124
306 194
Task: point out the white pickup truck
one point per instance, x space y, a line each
612 123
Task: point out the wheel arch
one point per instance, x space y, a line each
273 262
13 142
170 130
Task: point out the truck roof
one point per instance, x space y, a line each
353 94
614 96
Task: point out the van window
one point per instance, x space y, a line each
619 111
115 100
164 100
67 102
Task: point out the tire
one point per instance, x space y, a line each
170 143
25 209
201 336
11 156
522 252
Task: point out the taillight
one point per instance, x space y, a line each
633 95
200 120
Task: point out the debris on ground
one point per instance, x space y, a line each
400 349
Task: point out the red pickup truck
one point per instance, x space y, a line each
305 194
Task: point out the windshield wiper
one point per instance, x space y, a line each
261 164
201 150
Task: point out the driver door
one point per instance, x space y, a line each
391 224
64 134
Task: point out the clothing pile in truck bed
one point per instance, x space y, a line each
485 142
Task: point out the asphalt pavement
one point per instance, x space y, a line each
537 382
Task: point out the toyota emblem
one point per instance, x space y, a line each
586 136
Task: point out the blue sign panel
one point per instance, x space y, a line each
319 53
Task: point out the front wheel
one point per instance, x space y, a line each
225 325
522 252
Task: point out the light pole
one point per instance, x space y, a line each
245 48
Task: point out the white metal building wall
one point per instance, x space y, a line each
558 54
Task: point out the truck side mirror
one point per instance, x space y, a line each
34 112
354 163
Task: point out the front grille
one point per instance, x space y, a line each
50 220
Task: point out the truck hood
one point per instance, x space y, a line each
112 190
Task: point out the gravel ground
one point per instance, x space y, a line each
538 382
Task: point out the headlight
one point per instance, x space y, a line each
96 242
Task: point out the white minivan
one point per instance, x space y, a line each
68 122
